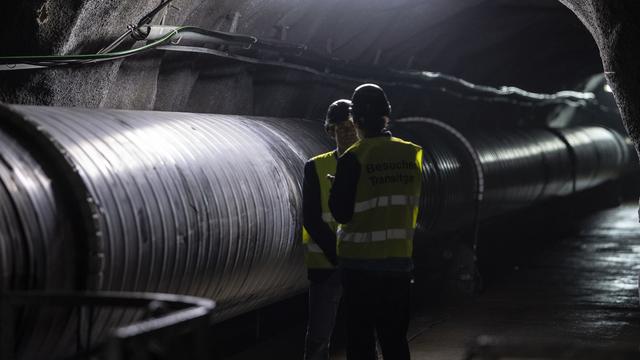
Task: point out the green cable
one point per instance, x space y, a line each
106 56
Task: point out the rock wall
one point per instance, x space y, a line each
537 45
615 28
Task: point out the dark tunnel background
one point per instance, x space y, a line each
539 46
437 59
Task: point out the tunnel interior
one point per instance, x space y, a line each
158 145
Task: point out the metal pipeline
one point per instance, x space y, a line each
210 205
505 170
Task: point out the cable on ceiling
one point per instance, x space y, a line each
167 38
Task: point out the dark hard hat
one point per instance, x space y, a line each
338 112
369 100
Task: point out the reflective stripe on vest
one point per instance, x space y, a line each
387 200
314 256
382 201
380 235
328 218
314 248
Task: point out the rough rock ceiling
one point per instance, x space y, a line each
536 45
614 26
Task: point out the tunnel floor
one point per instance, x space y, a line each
579 291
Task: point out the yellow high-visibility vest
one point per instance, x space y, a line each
387 200
314 256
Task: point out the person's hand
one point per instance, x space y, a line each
331 178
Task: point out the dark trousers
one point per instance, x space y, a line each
377 303
324 298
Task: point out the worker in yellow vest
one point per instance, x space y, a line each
375 197
319 233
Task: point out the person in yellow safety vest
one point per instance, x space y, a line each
375 197
319 233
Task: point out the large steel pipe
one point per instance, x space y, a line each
471 175
205 205
209 205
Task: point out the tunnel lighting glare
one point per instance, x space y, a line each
607 88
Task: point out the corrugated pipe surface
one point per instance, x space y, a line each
210 205
206 205
505 170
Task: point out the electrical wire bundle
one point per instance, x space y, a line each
140 31
249 49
